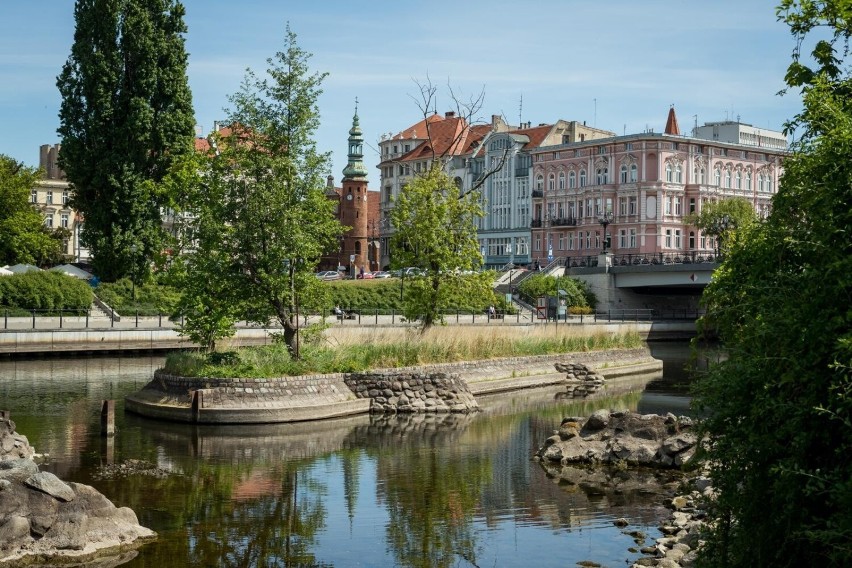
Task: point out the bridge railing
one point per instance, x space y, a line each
623 315
646 259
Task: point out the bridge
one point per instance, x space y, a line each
652 281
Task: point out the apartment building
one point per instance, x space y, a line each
51 197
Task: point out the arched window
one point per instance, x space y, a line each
718 174
759 182
738 181
561 180
669 173
634 173
539 182
728 178
678 174
622 174
768 183
551 182
702 176
572 180
601 175
582 178
748 180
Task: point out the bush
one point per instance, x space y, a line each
151 298
578 294
47 291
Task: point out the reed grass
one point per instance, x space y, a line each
388 349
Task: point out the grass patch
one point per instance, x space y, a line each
444 345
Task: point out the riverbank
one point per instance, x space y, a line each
29 342
321 396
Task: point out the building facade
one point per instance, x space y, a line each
493 159
636 191
51 196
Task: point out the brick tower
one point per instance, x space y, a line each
353 203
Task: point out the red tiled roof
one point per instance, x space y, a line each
536 134
441 136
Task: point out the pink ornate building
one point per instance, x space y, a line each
643 186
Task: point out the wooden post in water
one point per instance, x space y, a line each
108 418
197 403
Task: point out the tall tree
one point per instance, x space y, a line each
722 219
23 236
126 114
779 407
434 230
259 212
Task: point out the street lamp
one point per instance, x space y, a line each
719 227
133 249
605 219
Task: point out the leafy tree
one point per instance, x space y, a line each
779 408
577 292
722 219
258 218
434 230
126 114
24 236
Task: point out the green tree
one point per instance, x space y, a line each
722 219
24 236
434 231
778 409
126 114
577 292
257 209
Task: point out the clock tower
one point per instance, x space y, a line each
354 209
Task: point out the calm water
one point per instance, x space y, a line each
411 491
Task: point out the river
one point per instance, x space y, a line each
421 491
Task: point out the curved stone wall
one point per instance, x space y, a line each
394 391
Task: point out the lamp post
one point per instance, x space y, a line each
133 249
719 227
605 219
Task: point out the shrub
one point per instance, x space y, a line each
49 291
578 293
151 298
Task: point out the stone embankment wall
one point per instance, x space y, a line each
391 392
315 397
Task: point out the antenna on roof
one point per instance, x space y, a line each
521 111
595 119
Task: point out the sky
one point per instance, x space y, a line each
617 65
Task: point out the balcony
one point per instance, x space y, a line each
563 222
537 193
535 223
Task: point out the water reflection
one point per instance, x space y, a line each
446 490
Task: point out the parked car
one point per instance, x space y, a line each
365 276
381 274
328 275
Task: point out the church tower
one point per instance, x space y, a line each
353 202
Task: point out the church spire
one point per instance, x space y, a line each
355 167
671 123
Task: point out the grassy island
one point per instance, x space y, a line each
354 351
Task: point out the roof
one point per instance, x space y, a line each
441 136
72 270
536 134
671 123
22 268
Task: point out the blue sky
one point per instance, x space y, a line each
618 64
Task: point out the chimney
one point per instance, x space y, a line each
449 114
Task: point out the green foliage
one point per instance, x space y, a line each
724 219
434 230
24 236
275 360
151 298
778 409
45 290
578 293
257 216
126 114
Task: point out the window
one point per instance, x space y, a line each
668 203
632 238
728 178
602 175
748 180
34 196
50 198
597 240
570 241
718 174
677 206
677 238
561 180
669 173
692 205
48 221
551 182
408 147
622 206
691 240
622 238
668 238
702 176
634 173
588 239
537 243
582 178
64 198
602 150
760 182
738 180
572 180
678 174
561 241
622 174
632 205
64 220
539 183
